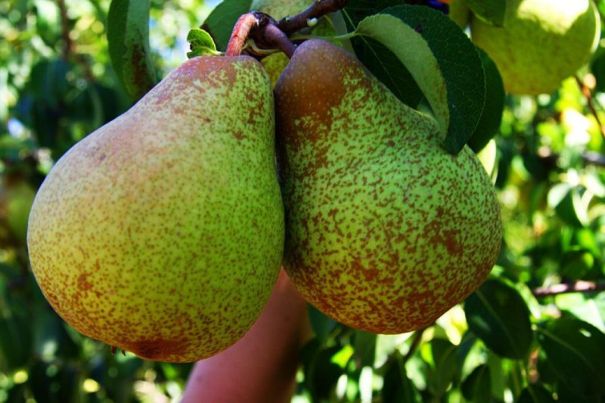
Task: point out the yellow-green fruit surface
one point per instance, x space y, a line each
540 43
161 233
459 12
385 229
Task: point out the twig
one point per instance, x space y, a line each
578 286
319 8
590 103
67 42
417 338
594 158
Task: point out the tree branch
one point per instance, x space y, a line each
417 338
65 31
578 286
590 103
319 8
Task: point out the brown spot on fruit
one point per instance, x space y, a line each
158 349
83 283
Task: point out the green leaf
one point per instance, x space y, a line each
128 40
397 387
597 66
492 11
221 20
535 394
491 117
364 345
575 351
477 387
321 324
445 366
387 68
201 43
376 57
431 46
568 204
322 374
499 316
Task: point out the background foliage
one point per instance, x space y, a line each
518 338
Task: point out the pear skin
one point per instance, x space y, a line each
161 233
385 230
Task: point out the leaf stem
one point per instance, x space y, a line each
578 286
590 102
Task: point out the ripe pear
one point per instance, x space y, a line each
162 232
385 230
540 43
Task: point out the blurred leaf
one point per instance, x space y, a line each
397 387
221 20
535 394
321 324
575 350
322 374
48 21
15 343
567 202
364 344
128 39
445 366
499 316
477 387
597 67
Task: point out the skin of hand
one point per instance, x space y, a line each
261 367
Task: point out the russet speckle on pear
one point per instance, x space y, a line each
385 230
161 233
540 43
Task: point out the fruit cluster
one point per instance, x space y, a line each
163 232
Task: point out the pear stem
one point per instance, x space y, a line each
244 25
268 33
263 29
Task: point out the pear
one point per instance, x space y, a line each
385 230
459 12
540 43
161 233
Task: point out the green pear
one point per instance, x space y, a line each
162 232
459 12
540 43
385 230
